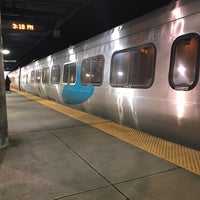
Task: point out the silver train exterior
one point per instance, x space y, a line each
143 74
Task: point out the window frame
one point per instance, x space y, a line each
45 70
91 68
51 77
132 51
33 75
38 80
68 81
172 62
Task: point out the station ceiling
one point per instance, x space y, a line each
33 29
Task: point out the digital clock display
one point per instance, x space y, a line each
26 27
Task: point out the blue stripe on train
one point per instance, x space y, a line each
76 94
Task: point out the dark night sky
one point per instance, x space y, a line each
102 15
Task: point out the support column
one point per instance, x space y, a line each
3 111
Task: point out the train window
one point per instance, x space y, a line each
26 82
69 75
142 68
133 67
120 68
92 70
184 72
38 75
55 74
45 75
25 79
32 76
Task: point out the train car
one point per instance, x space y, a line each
143 74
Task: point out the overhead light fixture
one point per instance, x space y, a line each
10 61
6 51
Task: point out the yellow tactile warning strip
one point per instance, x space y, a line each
184 157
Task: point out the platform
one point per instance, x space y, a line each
55 156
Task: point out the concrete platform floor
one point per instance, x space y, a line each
52 156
